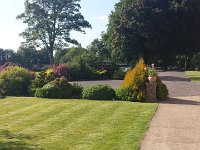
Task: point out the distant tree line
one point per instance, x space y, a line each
26 57
166 33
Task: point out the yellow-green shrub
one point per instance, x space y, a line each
135 81
133 87
15 80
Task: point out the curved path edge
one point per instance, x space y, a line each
176 124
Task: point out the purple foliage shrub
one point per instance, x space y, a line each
60 71
7 64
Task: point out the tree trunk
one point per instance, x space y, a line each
51 56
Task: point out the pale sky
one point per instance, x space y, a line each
94 11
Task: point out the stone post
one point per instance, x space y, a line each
151 92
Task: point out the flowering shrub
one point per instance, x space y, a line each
40 80
61 70
49 75
8 64
49 72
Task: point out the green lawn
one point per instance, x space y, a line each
193 75
32 123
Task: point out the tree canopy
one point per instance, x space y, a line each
50 23
154 28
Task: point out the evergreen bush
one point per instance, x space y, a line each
77 90
99 92
134 81
15 80
58 88
123 93
161 90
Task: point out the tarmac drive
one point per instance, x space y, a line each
176 124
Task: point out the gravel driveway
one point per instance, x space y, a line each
112 83
176 124
179 84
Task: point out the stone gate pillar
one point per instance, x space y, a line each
151 92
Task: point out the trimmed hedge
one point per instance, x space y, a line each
58 88
99 92
123 93
77 90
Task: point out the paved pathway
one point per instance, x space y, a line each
176 124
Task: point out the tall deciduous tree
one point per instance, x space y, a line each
50 23
30 57
99 49
155 28
8 55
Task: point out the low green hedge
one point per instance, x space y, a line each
161 90
99 92
59 88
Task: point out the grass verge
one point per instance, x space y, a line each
193 75
33 123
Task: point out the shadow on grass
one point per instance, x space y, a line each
180 101
15 141
195 78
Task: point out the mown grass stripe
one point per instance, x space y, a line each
28 110
101 130
108 130
80 127
72 124
55 123
43 123
14 104
123 134
38 116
